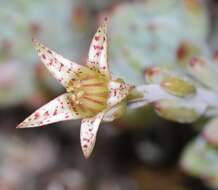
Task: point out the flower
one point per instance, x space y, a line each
92 95
205 71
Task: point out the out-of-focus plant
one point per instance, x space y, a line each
182 98
148 33
185 97
68 179
21 161
20 20
199 159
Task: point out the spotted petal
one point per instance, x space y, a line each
98 51
118 92
88 132
56 110
62 69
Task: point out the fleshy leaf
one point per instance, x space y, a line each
210 132
98 51
204 72
59 109
88 132
62 69
118 91
179 110
154 75
178 87
170 82
199 159
186 51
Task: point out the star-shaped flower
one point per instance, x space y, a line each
92 95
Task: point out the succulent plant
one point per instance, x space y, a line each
199 159
20 21
148 33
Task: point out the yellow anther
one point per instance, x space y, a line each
80 94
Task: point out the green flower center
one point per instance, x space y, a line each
88 92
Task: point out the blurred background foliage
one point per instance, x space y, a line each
139 151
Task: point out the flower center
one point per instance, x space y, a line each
88 92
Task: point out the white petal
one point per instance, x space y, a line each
56 110
88 132
98 51
62 69
118 91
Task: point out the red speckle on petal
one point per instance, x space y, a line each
46 114
49 51
36 115
97 38
97 54
97 47
51 62
55 112
43 56
61 66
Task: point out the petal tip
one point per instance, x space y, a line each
86 152
20 126
37 44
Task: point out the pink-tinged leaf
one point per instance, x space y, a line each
180 110
210 132
59 109
154 75
62 69
118 92
98 50
204 71
88 132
